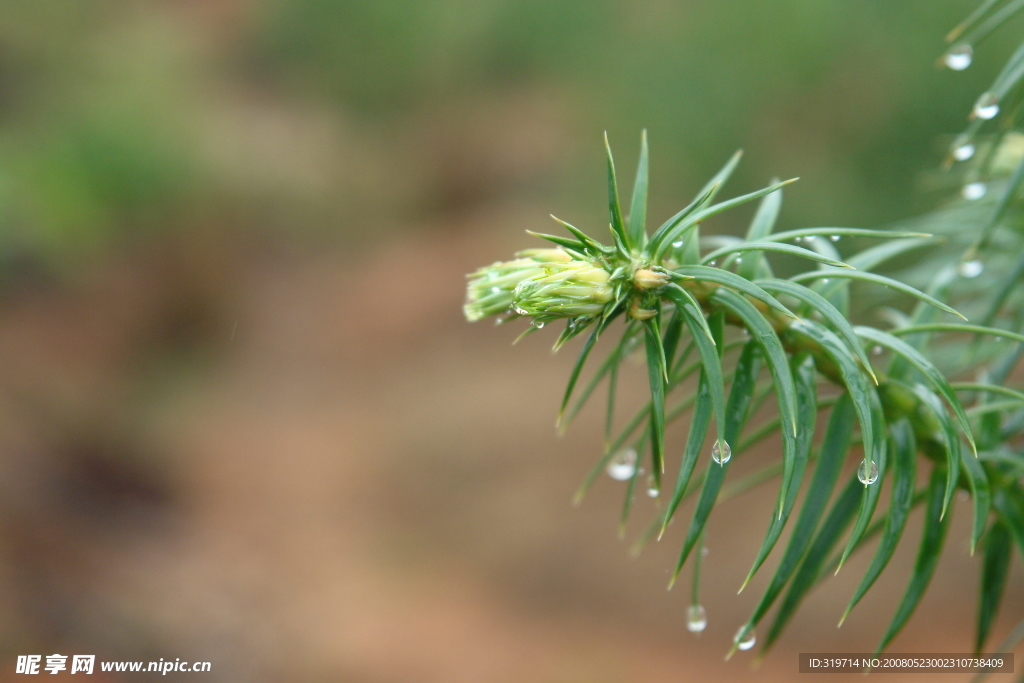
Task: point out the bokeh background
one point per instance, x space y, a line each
241 417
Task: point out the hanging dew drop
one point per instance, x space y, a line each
867 472
652 488
798 240
623 465
963 149
713 264
677 244
973 191
959 57
538 324
970 269
696 618
721 452
876 350
745 641
986 107
834 238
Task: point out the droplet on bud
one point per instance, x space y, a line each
867 472
959 57
745 641
986 107
696 618
622 466
970 269
721 452
963 148
972 191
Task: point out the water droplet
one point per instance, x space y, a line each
652 488
876 350
713 264
835 238
798 239
745 641
824 280
521 311
963 148
495 290
721 452
538 324
704 552
677 244
739 260
970 269
972 191
622 466
986 107
867 472
959 57
696 618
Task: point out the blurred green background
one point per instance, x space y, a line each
241 417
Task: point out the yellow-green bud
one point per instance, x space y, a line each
649 279
567 290
547 283
637 312
490 289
